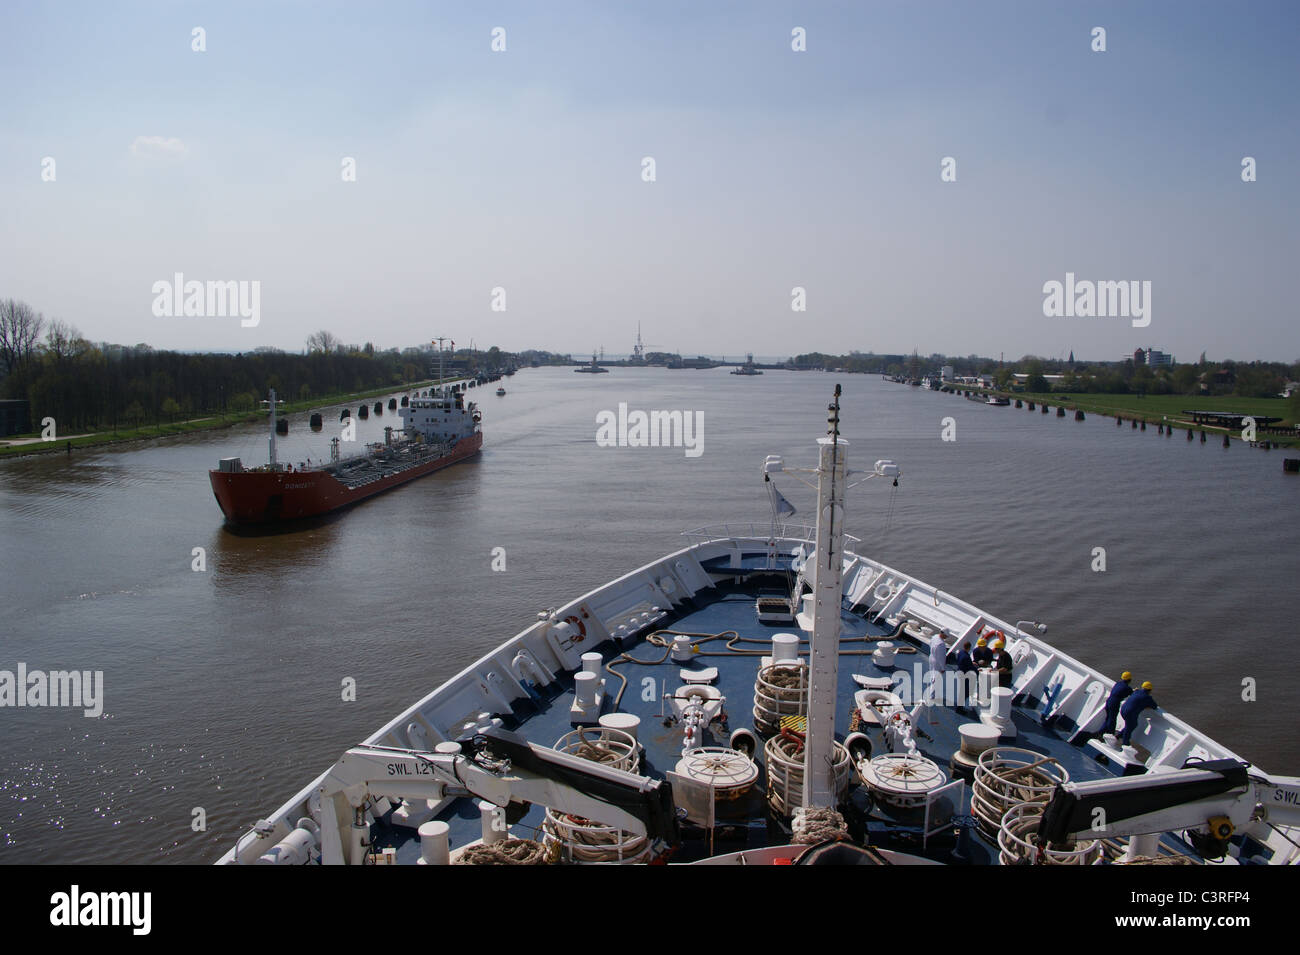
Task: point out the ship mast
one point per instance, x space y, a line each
828 591
274 467
438 342
824 571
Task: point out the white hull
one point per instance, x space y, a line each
631 604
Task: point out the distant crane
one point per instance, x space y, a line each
638 350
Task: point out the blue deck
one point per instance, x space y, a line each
731 608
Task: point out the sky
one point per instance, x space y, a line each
524 170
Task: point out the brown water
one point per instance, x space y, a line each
223 687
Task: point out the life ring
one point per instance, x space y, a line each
582 627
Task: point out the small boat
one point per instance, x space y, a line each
592 369
500 391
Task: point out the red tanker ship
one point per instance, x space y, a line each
440 428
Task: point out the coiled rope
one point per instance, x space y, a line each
817 824
598 751
506 852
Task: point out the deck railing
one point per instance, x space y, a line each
760 531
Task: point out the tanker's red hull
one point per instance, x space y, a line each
270 497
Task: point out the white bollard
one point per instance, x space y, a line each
1143 844
629 723
785 648
1000 702
435 843
998 713
493 819
584 688
591 663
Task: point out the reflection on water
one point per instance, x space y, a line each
223 687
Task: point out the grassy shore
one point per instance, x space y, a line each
172 429
1166 409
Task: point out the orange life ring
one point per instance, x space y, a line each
582 627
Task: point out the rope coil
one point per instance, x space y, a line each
506 852
605 745
1018 841
779 690
1007 776
784 756
576 839
818 824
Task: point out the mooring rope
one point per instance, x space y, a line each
506 852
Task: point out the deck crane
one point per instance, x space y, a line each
1211 801
501 768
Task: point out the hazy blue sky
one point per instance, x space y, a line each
522 169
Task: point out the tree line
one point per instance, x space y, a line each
89 386
1258 379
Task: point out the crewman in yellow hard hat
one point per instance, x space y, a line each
1133 707
1002 662
982 656
1118 694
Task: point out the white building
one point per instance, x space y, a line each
1156 357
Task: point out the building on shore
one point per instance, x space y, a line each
1151 357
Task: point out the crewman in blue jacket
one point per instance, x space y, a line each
1118 694
1133 707
967 687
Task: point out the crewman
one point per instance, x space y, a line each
1002 662
1133 708
938 663
938 653
982 656
966 686
1118 694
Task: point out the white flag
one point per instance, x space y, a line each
783 507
